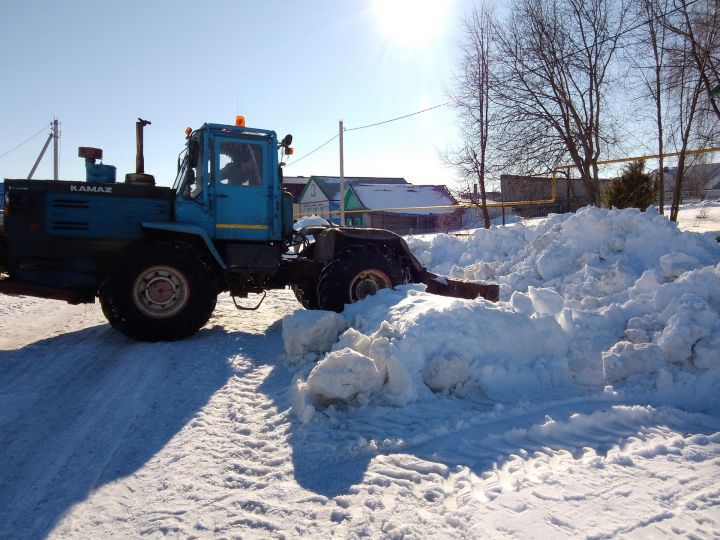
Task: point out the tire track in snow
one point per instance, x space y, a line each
225 471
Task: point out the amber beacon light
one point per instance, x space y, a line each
240 121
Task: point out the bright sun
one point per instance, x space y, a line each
412 23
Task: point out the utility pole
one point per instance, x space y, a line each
56 138
342 178
42 153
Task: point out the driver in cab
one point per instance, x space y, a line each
239 165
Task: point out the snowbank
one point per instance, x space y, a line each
591 299
310 221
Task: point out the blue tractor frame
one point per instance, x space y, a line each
157 257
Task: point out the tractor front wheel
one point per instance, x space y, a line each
356 273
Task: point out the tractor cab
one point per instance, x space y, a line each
229 183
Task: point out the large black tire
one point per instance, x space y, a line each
306 295
164 292
357 272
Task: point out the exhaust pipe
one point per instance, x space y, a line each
139 155
139 177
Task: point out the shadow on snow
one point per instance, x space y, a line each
85 408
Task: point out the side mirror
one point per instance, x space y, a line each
192 152
287 140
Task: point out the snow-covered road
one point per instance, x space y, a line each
102 437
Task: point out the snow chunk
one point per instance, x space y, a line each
345 375
545 301
707 352
445 374
625 359
673 265
303 409
306 332
688 320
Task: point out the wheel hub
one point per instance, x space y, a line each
160 291
367 283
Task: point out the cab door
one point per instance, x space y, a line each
242 189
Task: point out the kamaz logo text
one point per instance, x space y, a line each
92 189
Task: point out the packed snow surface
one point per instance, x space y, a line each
584 404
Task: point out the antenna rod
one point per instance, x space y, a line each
56 137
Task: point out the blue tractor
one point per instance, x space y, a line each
157 257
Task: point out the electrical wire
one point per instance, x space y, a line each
25 141
400 117
345 130
331 139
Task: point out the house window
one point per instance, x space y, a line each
312 191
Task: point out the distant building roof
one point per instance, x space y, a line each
300 180
330 185
706 174
406 197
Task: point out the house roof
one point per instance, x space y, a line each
405 196
330 185
300 180
707 173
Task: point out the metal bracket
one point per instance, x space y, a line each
238 306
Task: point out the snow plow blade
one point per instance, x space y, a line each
456 288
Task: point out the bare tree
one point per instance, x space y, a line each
687 88
653 39
555 59
694 53
472 97
700 29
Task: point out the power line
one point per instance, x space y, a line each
395 119
331 139
25 141
400 117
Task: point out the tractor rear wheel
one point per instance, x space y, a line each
166 292
356 273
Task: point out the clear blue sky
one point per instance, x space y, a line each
295 66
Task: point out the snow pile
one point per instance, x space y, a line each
310 221
591 299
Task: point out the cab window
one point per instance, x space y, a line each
240 163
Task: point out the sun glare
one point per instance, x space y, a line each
412 23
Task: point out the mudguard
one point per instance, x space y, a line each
187 230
